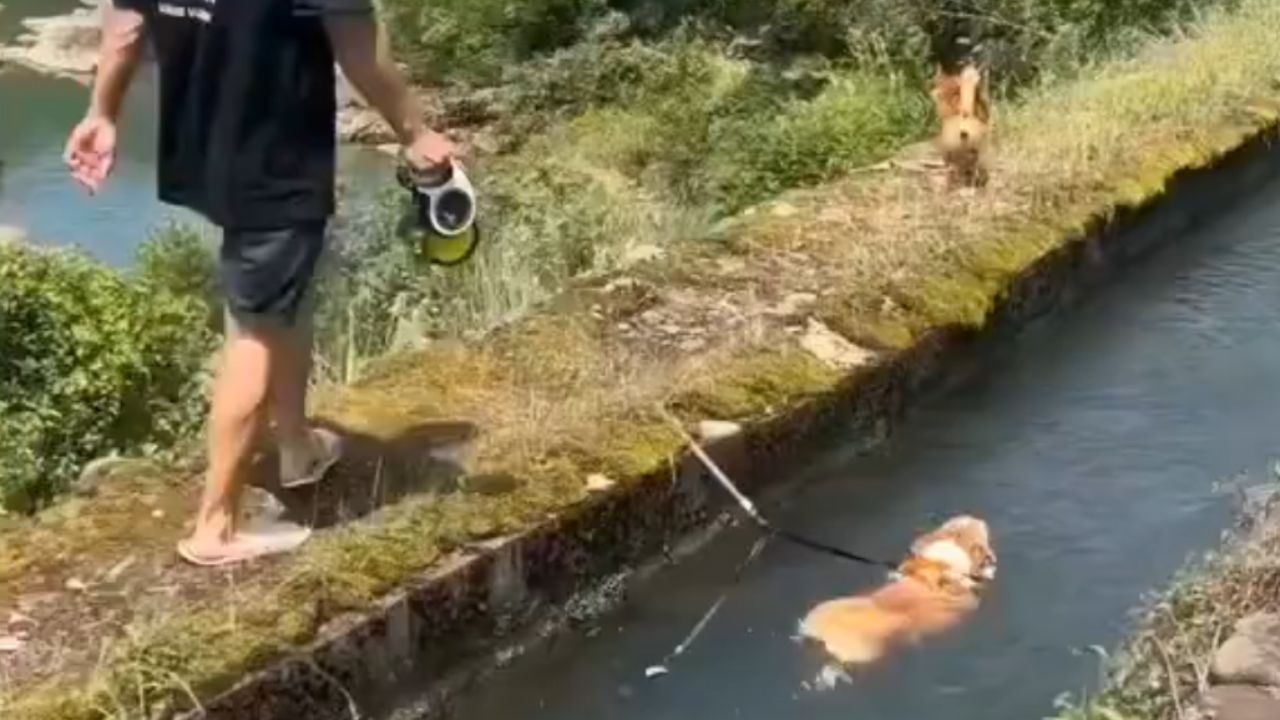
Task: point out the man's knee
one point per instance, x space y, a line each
244 375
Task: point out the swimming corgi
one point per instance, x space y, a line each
935 589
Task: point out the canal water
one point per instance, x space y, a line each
36 194
1092 445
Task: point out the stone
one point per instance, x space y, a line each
76 585
1241 702
644 252
794 303
832 348
95 472
1251 656
60 45
713 430
783 210
362 125
597 482
10 644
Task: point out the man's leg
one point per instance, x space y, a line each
239 397
266 276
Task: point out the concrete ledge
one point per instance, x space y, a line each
430 639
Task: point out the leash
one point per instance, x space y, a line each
661 669
752 512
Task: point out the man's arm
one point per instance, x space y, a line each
119 55
91 149
363 51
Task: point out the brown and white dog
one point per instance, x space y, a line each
936 588
964 110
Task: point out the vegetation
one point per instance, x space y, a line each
91 363
619 128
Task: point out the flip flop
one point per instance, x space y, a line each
268 538
331 451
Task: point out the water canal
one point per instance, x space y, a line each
1092 444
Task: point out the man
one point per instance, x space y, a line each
247 139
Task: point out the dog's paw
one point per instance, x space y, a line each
831 676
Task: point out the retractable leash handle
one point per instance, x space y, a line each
444 204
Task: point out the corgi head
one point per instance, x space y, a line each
961 544
964 109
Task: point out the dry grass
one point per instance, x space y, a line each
881 257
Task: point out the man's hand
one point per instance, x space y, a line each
91 149
429 150
91 152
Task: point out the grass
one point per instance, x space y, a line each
565 392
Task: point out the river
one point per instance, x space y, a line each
36 193
1091 444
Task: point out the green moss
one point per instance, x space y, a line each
628 448
757 382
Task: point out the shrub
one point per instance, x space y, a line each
472 40
855 121
180 260
90 363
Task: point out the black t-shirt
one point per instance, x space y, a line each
247 107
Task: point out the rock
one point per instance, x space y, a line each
1241 702
599 483
365 126
713 430
10 644
95 472
644 252
63 44
783 210
793 304
1252 655
832 348
76 585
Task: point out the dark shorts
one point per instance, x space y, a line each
267 275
